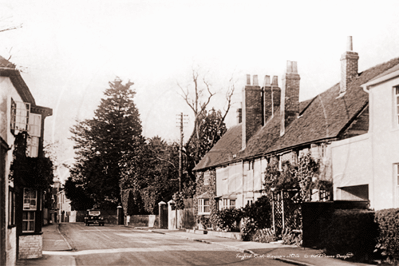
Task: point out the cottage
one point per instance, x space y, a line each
21 192
274 125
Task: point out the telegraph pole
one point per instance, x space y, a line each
181 145
181 125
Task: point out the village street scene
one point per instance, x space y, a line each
199 133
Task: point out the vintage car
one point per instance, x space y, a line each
94 217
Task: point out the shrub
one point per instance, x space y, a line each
388 239
291 237
227 219
351 231
265 235
260 212
247 228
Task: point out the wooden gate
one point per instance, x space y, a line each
163 216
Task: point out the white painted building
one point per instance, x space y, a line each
367 166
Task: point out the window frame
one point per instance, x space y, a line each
31 207
13 116
11 207
396 172
202 206
28 220
396 105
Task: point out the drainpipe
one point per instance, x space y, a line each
372 141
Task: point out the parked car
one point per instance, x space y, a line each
94 217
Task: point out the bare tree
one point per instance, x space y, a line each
199 99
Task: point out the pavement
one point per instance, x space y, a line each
54 241
287 253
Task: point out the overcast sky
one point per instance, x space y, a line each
69 50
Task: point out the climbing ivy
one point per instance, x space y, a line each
30 172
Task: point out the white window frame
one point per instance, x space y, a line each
29 220
201 206
396 173
396 105
27 201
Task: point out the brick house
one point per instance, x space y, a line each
20 202
274 125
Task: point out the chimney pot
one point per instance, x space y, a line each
275 81
248 79
349 44
267 80
289 67
255 80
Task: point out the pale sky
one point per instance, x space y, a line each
69 50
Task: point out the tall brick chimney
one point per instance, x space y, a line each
349 66
251 109
289 106
271 98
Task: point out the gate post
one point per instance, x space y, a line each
282 210
119 214
160 214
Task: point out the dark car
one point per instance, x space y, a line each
94 217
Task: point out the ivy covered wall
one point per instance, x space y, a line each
202 188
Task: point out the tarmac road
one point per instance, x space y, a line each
119 245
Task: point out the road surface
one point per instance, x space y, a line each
119 245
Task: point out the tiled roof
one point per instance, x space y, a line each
322 117
8 69
224 150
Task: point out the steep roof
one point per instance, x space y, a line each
8 69
322 117
224 150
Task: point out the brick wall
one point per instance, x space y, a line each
252 115
349 68
30 246
271 98
289 96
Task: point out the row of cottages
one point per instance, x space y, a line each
21 201
352 128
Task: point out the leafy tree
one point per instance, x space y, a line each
80 199
151 171
102 141
211 129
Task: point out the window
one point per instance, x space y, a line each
30 196
206 178
229 203
397 174
396 91
203 206
22 116
35 121
28 221
13 116
11 207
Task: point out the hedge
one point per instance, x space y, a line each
388 238
351 231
